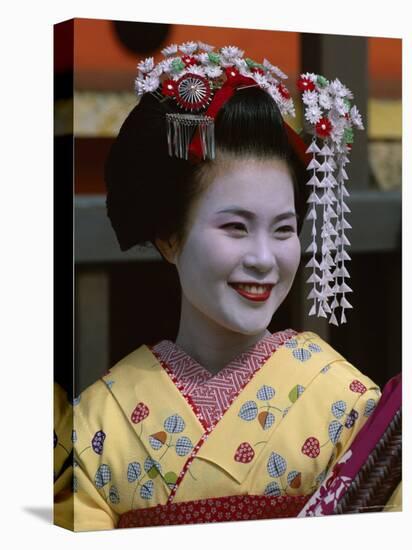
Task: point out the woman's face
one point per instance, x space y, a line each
241 250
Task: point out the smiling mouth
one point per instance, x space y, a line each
252 291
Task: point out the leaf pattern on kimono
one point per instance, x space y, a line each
183 446
351 419
157 440
174 424
357 386
301 354
244 453
98 441
170 478
335 430
103 476
338 408
296 392
326 369
369 407
265 393
133 471
291 343
314 348
266 419
272 489
152 467
146 490
139 413
311 447
248 411
153 472
294 479
155 443
276 465
114 495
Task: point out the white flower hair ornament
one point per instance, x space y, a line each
200 80
331 119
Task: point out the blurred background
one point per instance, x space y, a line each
122 300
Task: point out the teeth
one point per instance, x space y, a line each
253 289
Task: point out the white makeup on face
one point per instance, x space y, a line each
241 252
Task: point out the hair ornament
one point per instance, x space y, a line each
330 118
201 79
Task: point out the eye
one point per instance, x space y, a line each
235 227
286 229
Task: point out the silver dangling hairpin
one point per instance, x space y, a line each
180 132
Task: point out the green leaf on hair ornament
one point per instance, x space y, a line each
177 65
214 57
348 135
321 81
347 103
255 65
251 63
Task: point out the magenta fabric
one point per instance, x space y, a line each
326 498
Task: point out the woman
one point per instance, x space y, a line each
229 421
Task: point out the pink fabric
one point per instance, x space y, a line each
211 395
325 500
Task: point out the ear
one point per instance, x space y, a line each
168 248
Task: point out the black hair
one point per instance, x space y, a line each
150 193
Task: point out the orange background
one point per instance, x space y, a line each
103 63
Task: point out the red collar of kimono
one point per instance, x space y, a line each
211 393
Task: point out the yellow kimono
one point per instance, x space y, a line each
139 445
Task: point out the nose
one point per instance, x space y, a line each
261 255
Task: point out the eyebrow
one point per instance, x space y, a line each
250 215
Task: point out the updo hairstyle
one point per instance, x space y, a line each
150 193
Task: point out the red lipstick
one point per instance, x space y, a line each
252 291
